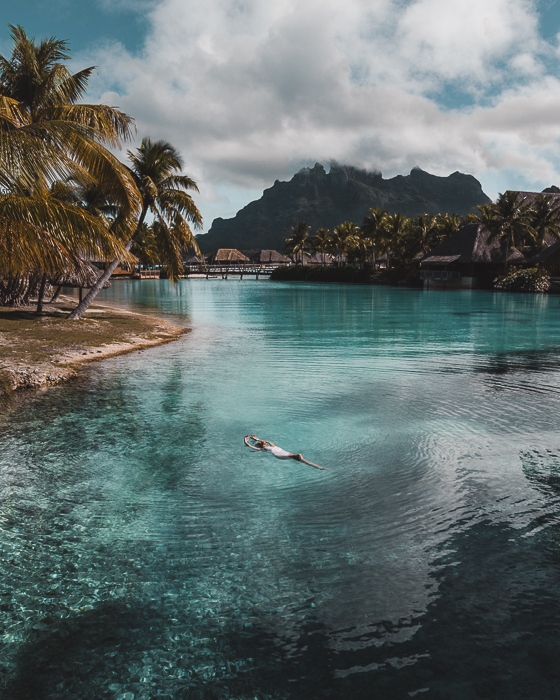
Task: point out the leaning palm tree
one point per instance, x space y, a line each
47 131
509 218
46 135
298 242
156 167
42 235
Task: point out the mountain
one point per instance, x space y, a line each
345 193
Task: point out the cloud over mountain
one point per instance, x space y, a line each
251 90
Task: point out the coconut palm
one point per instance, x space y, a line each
423 232
322 242
373 228
346 237
46 131
509 218
156 167
446 224
46 135
395 232
298 242
545 218
145 246
41 234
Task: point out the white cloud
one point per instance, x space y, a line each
250 90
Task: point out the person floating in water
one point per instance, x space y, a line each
256 443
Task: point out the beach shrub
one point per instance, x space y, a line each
528 279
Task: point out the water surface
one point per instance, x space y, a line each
145 552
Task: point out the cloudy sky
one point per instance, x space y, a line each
250 91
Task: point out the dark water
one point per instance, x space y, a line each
146 553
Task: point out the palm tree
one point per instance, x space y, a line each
298 242
395 232
346 237
545 218
42 235
508 218
145 247
156 167
423 232
45 131
447 224
322 242
373 228
47 136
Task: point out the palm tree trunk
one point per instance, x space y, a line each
83 306
41 294
56 294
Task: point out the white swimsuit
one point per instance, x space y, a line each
277 452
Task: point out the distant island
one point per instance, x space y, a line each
345 193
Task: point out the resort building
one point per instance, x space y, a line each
468 259
270 259
229 257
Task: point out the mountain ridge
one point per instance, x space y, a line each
345 193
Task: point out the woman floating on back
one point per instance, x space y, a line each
256 443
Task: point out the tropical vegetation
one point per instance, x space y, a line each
66 201
528 279
391 245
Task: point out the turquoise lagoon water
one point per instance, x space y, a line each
145 552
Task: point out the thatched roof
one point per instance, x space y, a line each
229 255
471 244
546 255
441 259
316 258
529 197
84 274
196 260
269 256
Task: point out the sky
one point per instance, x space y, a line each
250 91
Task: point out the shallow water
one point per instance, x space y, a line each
145 552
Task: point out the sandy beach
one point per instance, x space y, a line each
38 351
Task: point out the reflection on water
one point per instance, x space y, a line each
145 552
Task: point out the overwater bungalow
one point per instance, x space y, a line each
467 260
270 259
318 259
229 257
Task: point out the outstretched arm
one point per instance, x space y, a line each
246 441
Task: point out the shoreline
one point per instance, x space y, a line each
46 350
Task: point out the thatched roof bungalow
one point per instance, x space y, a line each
82 276
316 259
196 260
270 258
467 259
229 256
